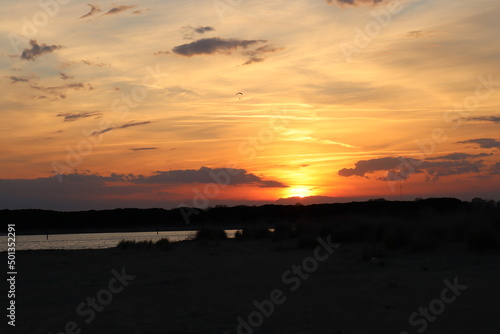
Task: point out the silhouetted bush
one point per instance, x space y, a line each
126 244
255 232
132 244
282 232
210 234
163 244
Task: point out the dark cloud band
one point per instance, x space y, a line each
213 45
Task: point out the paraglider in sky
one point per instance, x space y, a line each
239 93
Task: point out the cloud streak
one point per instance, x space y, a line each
493 119
213 45
60 90
124 126
354 2
93 10
483 142
70 117
118 9
14 79
255 56
143 148
460 156
64 76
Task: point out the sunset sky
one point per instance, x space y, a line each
135 103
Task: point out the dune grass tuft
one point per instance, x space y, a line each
162 244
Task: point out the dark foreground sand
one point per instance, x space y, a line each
204 289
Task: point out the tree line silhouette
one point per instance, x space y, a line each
34 221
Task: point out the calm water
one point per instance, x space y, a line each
93 240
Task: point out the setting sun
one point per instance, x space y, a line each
299 192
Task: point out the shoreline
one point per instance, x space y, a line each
206 287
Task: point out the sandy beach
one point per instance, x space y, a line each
254 286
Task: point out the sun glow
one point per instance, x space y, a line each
299 191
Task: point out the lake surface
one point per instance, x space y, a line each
93 240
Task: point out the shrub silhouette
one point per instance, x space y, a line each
162 244
282 232
210 234
132 244
254 232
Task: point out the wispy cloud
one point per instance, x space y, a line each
213 45
118 9
93 10
123 126
460 156
179 91
143 148
14 79
70 117
64 76
255 56
354 2
60 90
483 142
493 119
159 53
85 62
419 33
128 125
37 50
